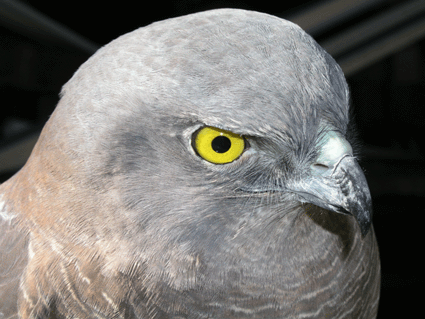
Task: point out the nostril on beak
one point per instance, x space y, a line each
321 168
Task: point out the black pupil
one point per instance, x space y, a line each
221 144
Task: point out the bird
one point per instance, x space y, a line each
203 166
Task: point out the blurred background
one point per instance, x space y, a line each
380 45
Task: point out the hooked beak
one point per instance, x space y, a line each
337 183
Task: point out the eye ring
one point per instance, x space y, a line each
218 146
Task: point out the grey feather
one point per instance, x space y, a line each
117 215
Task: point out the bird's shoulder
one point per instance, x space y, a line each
13 257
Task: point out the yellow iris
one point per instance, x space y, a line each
218 146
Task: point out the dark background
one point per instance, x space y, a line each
387 96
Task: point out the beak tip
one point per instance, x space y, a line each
356 194
365 222
363 217
364 228
345 191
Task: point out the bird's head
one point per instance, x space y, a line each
196 129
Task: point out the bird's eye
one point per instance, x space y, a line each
218 146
